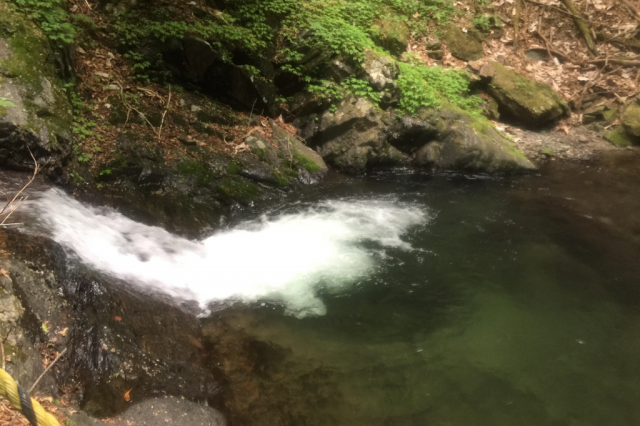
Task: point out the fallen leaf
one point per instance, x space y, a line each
63 332
5 273
126 395
45 327
118 319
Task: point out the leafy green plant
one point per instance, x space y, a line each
4 102
52 17
421 86
361 88
485 22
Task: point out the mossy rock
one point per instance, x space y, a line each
392 35
41 118
461 45
234 189
522 98
619 137
631 120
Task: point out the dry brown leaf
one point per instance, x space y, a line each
5 273
127 397
118 318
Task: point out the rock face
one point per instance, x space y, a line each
38 117
354 138
522 98
461 45
359 136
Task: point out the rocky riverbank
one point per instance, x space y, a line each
183 116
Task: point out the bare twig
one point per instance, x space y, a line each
252 107
2 353
10 204
516 25
552 52
559 10
47 369
166 108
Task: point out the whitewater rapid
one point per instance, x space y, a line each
284 259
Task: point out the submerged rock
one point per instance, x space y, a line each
528 101
461 45
38 116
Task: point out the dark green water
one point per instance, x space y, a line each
519 305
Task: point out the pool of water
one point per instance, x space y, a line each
517 303
406 299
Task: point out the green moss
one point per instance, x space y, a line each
618 137
203 176
547 151
631 119
305 162
234 168
282 181
261 153
3 111
31 67
239 190
610 114
391 34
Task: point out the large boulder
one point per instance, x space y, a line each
461 45
35 114
359 136
522 98
354 138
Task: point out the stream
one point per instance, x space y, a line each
404 298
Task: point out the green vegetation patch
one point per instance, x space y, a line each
239 190
203 176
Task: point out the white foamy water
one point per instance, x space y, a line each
285 259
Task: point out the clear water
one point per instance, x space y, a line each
518 305
411 300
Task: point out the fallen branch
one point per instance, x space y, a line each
516 25
551 51
582 26
623 62
10 204
559 10
47 369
